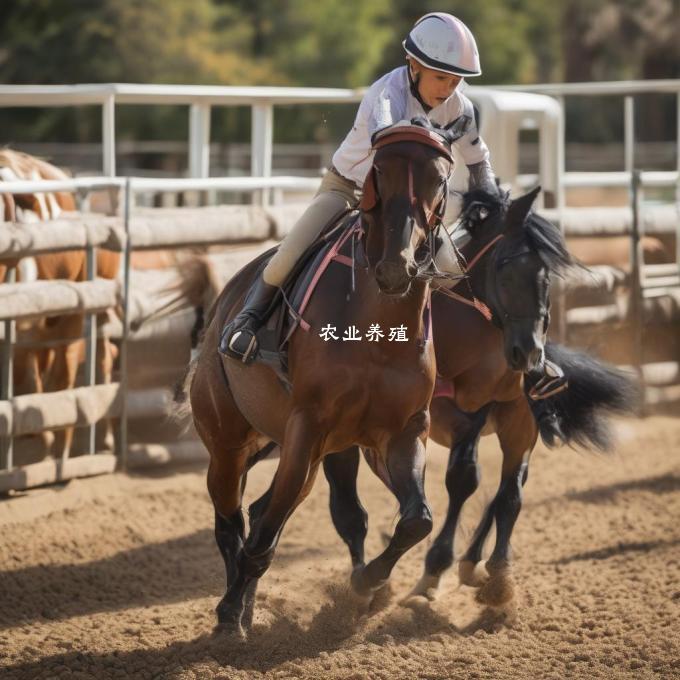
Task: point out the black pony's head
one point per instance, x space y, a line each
528 251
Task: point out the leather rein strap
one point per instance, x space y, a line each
475 302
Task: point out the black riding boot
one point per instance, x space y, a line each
238 337
541 387
549 382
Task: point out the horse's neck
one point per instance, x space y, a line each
478 256
409 311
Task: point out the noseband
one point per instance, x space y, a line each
502 315
505 316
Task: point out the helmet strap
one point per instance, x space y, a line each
413 84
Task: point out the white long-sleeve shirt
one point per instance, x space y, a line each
388 101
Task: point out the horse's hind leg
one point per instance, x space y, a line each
63 372
219 423
462 480
406 470
294 478
517 433
349 516
105 360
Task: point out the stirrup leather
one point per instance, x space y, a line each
553 382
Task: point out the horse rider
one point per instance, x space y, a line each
440 52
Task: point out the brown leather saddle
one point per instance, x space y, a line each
339 245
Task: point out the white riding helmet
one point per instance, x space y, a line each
441 42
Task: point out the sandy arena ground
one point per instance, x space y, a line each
118 577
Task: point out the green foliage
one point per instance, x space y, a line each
516 38
155 41
328 43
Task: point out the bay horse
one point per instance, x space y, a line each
375 394
53 367
489 339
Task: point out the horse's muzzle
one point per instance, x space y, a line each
524 360
394 278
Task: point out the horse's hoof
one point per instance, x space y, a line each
229 619
372 596
230 631
381 598
359 583
499 590
427 587
471 574
249 606
248 615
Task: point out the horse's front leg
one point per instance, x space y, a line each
349 516
300 454
462 480
517 434
405 468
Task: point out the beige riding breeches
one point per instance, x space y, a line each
335 195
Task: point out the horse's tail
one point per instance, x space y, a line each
196 278
180 409
581 414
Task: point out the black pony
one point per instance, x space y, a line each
490 342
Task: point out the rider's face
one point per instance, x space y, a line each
435 87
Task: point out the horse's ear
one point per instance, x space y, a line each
520 207
474 216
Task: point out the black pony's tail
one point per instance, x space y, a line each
580 415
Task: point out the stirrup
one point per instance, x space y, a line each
551 383
239 343
246 355
239 337
548 387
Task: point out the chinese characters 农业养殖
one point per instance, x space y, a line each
373 334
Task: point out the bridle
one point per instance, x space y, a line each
544 310
430 220
498 315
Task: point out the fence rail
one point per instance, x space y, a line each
262 101
136 230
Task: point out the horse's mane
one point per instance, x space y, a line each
543 236
547 240
24 165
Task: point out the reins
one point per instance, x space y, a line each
473 301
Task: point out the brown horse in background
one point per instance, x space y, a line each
489 343
54 368
375 394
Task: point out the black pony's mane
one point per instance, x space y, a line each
543 236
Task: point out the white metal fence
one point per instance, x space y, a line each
262 101
49 298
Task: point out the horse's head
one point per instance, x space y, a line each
403 203
528 250
16 165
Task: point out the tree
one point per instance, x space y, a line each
93 41
516 38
